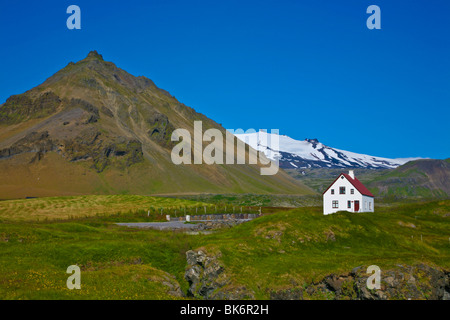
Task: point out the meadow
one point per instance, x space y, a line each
269 253
75 207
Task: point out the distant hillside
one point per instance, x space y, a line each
319 179
421 179
425 178
93 128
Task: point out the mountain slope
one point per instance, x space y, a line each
310 153
94 128
424 178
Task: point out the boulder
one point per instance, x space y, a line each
208 280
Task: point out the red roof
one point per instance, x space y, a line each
356 183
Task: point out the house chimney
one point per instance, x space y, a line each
351 174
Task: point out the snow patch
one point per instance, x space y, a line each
272 145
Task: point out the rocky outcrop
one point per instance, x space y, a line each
172 285
22 107
93 113
208 280
420 282
160 128
88 145
120 152
38 142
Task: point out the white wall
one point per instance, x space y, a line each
369 204
343 199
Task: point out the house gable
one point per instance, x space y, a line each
353 181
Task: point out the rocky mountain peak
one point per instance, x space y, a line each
313 141
95 55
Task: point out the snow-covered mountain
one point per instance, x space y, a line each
310 153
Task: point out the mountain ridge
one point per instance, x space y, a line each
424 178
310 153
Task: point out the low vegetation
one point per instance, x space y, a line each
258 200
273 252
74 207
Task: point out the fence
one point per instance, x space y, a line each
212 217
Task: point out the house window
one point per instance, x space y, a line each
370 205
332 191
352 191
341 190
335 204
349 204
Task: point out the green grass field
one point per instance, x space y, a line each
264 200
74 207
267 253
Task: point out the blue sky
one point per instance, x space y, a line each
311 69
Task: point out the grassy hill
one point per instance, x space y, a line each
419 179
289 250
426 179
319 179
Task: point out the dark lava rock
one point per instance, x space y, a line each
88 145
22 107
160 128
38 142
419 282
208 280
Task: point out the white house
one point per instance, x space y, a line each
347 193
